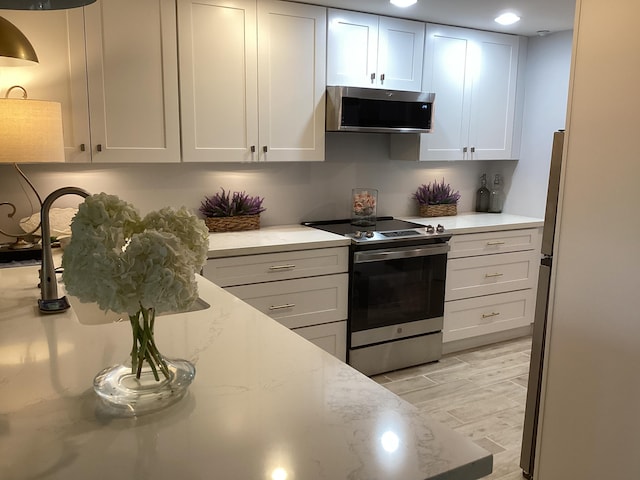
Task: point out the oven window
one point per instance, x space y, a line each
397 291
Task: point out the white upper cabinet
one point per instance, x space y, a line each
365 50
132 81
252 80
473 75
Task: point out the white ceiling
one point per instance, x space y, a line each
552 15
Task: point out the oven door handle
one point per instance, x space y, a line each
398 253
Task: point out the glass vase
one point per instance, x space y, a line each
147 381
364 203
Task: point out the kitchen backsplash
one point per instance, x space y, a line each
293 192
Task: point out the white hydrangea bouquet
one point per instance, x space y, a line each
133 265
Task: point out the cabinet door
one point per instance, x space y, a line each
489 274
473 75
301 302
472 317
331 337
291 81
493 93
132 69
218 80
352 48
400 54
447 62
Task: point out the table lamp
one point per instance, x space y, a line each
30 132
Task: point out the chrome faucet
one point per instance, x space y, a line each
49 301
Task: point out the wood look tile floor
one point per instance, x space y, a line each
480 393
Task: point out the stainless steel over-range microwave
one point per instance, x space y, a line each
352 109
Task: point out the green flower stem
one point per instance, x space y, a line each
144 346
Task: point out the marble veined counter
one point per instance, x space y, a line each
265 403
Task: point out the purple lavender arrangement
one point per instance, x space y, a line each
228 204
436 194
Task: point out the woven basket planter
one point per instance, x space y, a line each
443 210
233 224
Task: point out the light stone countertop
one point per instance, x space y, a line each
285 238
471 222
263 398
282 238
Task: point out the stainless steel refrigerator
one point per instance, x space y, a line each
530 428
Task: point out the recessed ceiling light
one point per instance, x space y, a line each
507 18
402 3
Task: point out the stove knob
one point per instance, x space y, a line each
369 234
440 229
430 229
357 234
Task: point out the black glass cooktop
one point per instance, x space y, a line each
383 224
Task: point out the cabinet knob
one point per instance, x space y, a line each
382 78
265 149
473 149
373 77
82 147
99 147
464 149
253 149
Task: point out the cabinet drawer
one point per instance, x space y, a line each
489 274
270 267
467 245
299 303
331 337
484 315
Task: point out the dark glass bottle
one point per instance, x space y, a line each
482 195
496 199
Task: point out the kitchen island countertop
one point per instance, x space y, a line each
265 403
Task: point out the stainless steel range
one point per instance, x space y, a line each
396 292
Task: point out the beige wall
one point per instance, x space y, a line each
590 417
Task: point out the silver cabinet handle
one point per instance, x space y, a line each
489 315
282 267
496 242
373 77
283 306
490 275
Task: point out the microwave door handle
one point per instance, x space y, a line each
394 254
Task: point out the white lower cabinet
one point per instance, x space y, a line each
304 290
299 302
488 314
331 337
490 287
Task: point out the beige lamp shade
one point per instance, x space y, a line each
30 131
